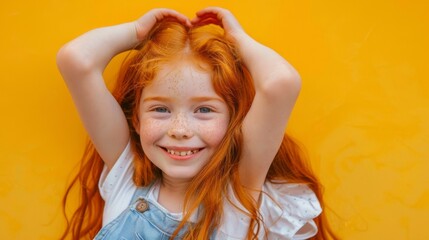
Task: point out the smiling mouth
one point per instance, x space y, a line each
181 152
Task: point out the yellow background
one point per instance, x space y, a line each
363 113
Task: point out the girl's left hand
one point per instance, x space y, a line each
221 17
145 23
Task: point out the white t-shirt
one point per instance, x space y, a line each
287 209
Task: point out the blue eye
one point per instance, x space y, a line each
161 110
204 110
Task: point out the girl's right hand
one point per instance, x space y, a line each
145 23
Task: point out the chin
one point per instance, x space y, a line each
180 174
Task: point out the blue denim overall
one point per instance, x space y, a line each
142 220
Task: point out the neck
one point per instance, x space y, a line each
175 185
172 193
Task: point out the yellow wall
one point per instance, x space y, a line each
363 113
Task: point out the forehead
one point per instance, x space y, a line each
181 77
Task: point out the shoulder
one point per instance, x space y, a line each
287 210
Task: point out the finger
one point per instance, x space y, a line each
147 21
224 17
169 13
205 21
205 16
207 13
210 10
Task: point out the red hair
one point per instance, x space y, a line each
231 81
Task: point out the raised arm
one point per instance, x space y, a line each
82 62
277 86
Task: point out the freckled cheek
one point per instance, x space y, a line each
150 130
214 131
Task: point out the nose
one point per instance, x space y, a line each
180 127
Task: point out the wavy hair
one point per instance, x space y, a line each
231 81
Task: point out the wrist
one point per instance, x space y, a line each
139 32
238 37
132 29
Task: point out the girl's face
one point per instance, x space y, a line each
182 119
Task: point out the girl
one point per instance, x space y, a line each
191 144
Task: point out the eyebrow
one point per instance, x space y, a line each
194 99
206 99
161 99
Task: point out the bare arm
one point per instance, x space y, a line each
82 62
277 86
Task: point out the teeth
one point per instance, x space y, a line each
182 153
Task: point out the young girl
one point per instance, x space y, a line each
191 144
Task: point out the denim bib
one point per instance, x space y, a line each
142 220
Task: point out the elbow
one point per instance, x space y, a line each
282 84
71 61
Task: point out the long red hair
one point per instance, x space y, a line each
231 81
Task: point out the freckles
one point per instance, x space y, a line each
149 129
214 132
173 83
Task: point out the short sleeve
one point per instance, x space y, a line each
287 210
116 186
